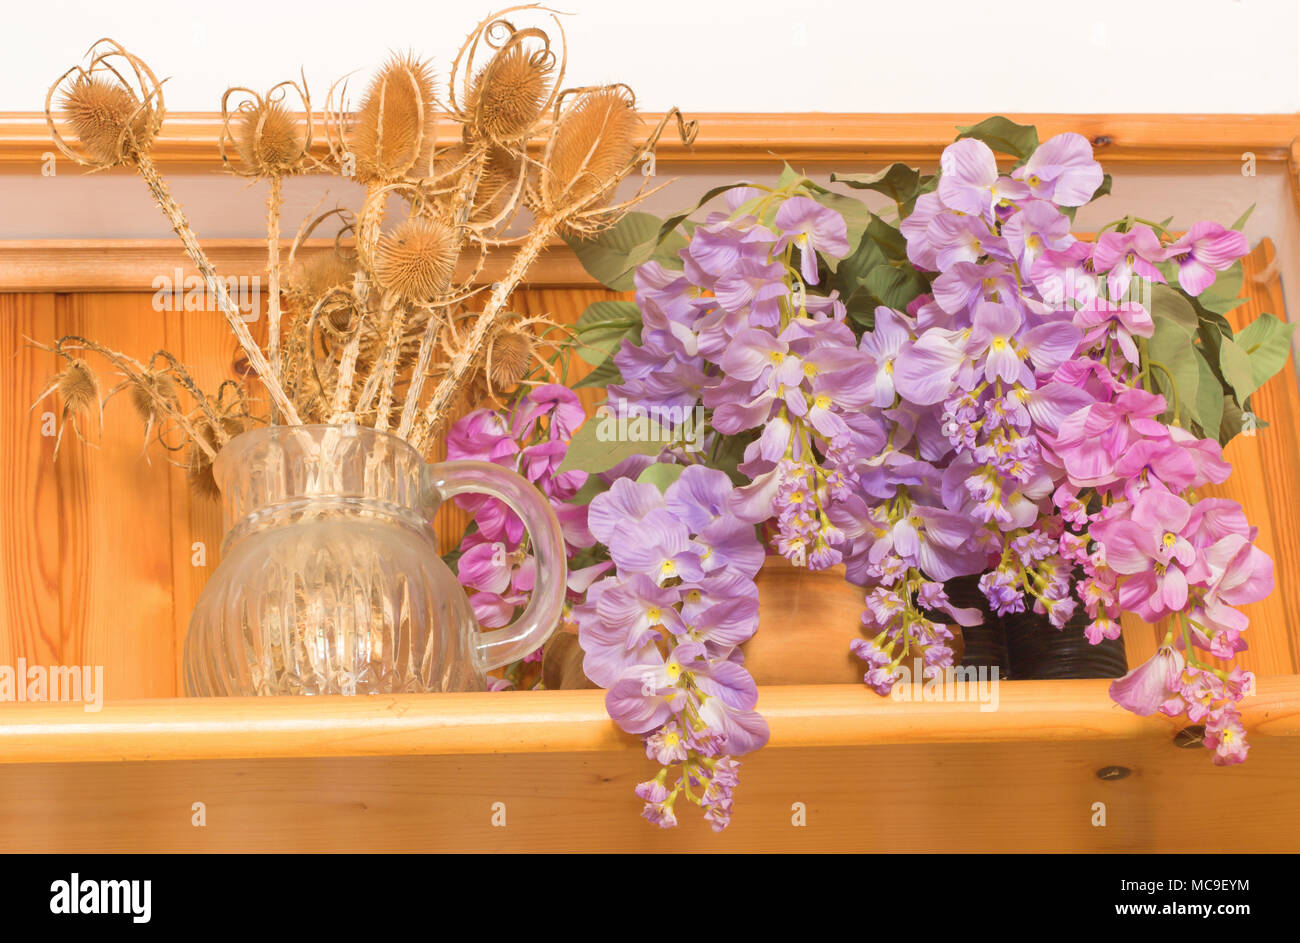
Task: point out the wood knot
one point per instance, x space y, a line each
1113 772
1102 140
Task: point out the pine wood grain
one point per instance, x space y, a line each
189 139
115 535
30 564
1023 778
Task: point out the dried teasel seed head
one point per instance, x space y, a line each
595 142
394 131
269 139
315 274
498 180
417 259
510 357
198 466
79 387
507 96
146 392
106 118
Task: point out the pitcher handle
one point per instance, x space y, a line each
527 633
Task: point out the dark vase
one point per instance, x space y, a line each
1026 646
1038 650
985 645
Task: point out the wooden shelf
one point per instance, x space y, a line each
422 772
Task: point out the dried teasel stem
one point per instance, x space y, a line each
274 202
469 359
423 360
256 359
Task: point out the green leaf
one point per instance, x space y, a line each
895 287
1241 220
1169 305
600 443
891 241
1171 348
1003 135
898 181
661 475
1267 342
1103 188
607 374
611 256
1234 364
589 490
1209 399
603 326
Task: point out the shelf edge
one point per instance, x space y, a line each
572 721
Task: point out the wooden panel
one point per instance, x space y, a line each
133 264
132 554
189 139
1266 482
1021 778
115 530
30 562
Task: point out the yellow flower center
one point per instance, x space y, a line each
810 369
667 568
822 401
694 595
999 343
654 614
776 356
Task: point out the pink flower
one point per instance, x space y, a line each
968 172
1062 170
1149 547
1206 248
1144 689
1127 319
1125 254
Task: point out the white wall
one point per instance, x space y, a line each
723 55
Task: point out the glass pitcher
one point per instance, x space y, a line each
331 582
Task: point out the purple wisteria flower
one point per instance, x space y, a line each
662 633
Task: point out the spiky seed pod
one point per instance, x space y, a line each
595 141
394 131
79 388
147 390
507 96
497 182
416 260
268 138
510 357
317 273
106 118
198 467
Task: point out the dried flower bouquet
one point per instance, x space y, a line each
388 329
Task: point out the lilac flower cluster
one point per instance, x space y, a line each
737 329
1024 409
532 439
662 634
